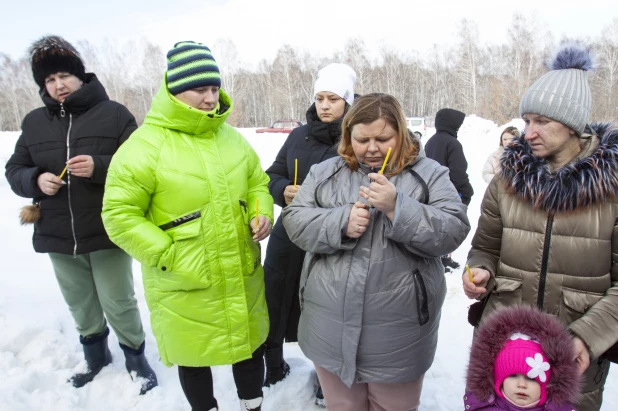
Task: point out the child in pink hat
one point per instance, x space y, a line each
522 360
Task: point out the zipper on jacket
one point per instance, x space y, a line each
62 112
243 204
69 181
544 261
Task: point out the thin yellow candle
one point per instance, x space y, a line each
388 154
295 171
470 273
63 172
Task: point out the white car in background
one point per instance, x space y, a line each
418 126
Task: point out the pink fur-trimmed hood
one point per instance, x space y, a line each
555 340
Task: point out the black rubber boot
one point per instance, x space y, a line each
135 361
276 368
97 356
448 262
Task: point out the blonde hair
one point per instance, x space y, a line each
367 109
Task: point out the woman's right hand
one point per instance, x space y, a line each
477 288
289 193
358 221
49 183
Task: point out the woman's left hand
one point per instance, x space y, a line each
262 229
381 193
81 166
582 355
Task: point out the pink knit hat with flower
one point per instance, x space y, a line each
522 355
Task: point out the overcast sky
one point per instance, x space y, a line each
259 27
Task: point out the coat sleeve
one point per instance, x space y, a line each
279 174
131 181
22 173
434 229
458 166
488 168
487 240
127 125
316 229
598 328
258 185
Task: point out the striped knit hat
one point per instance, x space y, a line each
191 65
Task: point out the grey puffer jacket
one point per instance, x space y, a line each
371 306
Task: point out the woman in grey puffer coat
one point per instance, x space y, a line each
373 285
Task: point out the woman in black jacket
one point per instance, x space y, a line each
308 145
61 161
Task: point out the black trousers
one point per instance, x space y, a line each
197 383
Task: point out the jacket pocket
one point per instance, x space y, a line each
252 254
301 293
422 303
575 303
184 265
506 293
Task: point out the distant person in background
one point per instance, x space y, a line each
182 197
310 144
448 151
79 128
492 165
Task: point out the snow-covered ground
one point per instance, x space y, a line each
39 347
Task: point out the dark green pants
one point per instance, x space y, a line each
99 285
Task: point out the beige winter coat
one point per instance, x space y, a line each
492 165
551 239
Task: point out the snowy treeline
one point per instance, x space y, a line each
484 79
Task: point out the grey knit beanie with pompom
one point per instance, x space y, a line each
563 94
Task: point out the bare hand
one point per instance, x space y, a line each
81 166
49 183
477 288
289 193
262 230
582 355
358 221
381 193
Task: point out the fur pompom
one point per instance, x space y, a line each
29 214
51 45
573 55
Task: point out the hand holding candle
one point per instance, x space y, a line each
260 225
475 281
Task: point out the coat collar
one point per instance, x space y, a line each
91 93
169 112
588 179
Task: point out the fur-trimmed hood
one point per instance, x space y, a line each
557 345
577 185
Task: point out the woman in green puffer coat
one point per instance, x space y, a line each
181 197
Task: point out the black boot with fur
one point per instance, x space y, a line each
97 356
276 367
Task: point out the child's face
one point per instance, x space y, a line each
521 390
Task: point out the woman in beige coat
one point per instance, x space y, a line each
548 231
492 165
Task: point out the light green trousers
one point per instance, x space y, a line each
99 285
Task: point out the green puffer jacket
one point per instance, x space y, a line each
179 196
